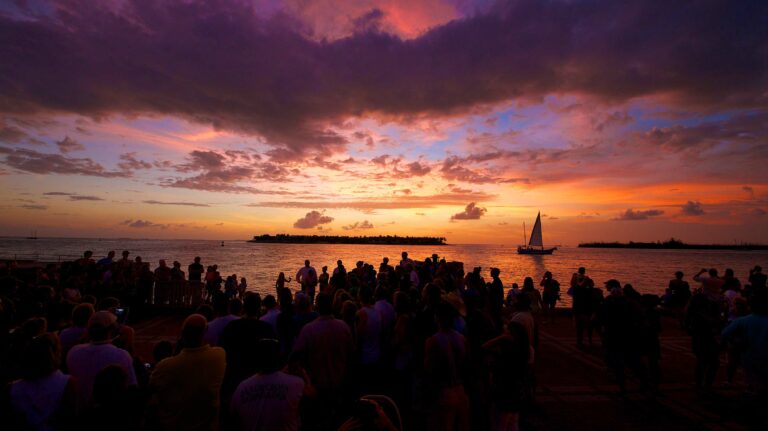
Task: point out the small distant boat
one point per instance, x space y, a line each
32 235
536 243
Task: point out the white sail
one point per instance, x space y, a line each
536 239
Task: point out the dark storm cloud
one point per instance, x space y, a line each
46 163
693 208
228 172
632 215
218 63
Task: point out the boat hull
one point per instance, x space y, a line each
536 251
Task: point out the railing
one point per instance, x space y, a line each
39 257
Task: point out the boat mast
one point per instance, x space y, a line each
524 236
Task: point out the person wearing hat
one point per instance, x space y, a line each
85 361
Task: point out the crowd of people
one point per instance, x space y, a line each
441 349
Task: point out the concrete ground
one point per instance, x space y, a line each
575 391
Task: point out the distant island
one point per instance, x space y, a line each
674 244
335 239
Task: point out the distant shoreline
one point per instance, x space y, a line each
674 245
338 239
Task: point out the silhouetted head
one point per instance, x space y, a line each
252 304
612 284
366 295
101 326
269 356
111 254
528 284
582 270
206 310
40 357
306 262
269 302
236 306
324 303
193 330
126 253
81 314
109 385
679 275
404 255
446 315
163 349
713 272
402 303
495 272
197 259
385 260
547 275
728 272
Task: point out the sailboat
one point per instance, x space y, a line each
536 243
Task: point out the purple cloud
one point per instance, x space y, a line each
632 215
44 163
693 208
84 198
67 145
189 204
471 212
264 77
365 224
34 207
129 162
226 172
312 219
143 224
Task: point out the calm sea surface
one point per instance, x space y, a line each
648 270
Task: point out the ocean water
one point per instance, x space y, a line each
649 271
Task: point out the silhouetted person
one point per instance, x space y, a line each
268 400
240 340
618 320
584 304
703 323
752 333
185 388
307 277
550 295
44 398
444 365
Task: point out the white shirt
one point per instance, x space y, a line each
268 402
85 361
304 274
216 327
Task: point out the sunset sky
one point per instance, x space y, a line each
618 120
